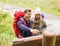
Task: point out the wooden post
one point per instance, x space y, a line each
49 38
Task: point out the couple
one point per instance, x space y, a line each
27 27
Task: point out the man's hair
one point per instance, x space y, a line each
27 10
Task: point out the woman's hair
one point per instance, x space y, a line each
40 19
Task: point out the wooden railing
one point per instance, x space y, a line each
33 41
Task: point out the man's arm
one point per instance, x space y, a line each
25 28
22 27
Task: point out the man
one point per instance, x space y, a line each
24 25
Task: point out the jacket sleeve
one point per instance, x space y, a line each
22 27
44 24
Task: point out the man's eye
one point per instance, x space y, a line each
29 10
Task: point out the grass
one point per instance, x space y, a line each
6 29
51 6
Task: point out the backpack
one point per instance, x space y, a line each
17 16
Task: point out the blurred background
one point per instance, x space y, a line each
6 20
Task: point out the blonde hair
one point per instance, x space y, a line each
40 20
40 23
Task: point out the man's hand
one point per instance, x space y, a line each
34 31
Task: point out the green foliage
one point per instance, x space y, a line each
6 29
46 5
3 15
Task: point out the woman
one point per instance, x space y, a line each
38 22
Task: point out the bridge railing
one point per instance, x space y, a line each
33 41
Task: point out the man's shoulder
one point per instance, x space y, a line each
21 19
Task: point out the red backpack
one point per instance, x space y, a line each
17 16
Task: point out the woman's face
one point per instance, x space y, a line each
37 16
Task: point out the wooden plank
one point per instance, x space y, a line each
29 41
33 41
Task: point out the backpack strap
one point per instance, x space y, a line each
31 22
23 20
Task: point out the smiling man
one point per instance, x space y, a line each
25 24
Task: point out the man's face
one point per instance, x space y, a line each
28 15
